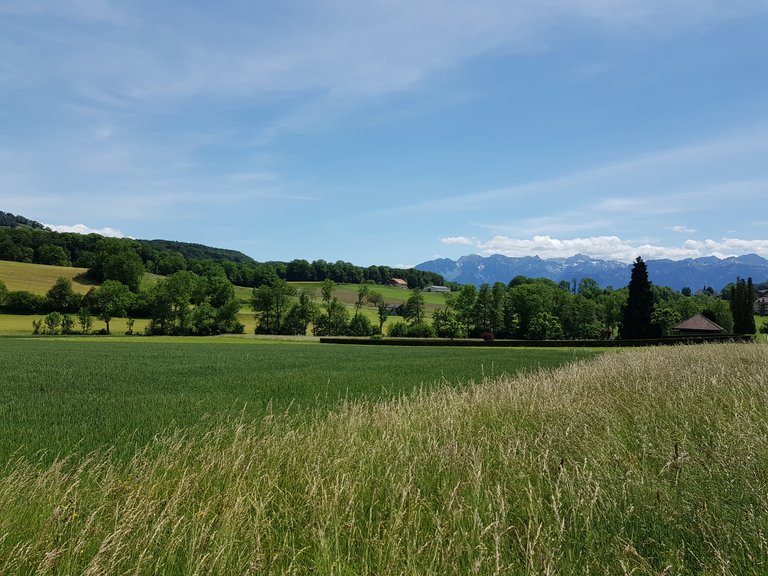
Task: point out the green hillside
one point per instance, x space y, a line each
8 220
38 278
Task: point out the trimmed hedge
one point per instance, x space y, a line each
668 341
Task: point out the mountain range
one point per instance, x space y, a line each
695 273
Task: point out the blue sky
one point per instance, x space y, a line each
392 132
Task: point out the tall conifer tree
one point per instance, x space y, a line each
742 299
636 315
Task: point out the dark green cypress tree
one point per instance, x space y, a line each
742 299
636 314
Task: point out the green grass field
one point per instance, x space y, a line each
81 393
645 461
39 278
21 324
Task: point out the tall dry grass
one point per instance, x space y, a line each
644 461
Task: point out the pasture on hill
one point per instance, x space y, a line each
640 461
38 278
76 394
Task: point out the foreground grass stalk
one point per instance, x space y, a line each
643 461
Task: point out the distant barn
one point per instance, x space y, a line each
698 324
440 289
398 283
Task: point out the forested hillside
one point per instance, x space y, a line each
34 244
8 220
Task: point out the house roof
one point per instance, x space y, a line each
399 282
699 323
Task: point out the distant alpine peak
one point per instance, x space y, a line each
695 273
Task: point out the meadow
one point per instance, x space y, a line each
72 395
639 461
38 278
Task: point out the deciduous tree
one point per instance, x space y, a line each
61 297
545 326
52 321
110 300
382 308
85 319
413 309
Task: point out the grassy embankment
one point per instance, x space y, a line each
642 461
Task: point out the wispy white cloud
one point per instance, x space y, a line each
681 179
610 247
461 240
150 51
684 230
83 229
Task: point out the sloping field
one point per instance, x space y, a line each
39 278
643 461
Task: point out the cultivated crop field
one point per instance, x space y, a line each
639 461
76 394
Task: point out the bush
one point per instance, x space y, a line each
360 326
421 330
416 330
398 330
24 302
53 321
488 336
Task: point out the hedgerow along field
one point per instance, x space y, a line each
638 461
72 395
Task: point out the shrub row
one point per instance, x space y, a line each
668 341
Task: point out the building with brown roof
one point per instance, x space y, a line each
698 324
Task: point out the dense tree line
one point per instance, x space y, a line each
125 260
538 308
528 308
183 303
